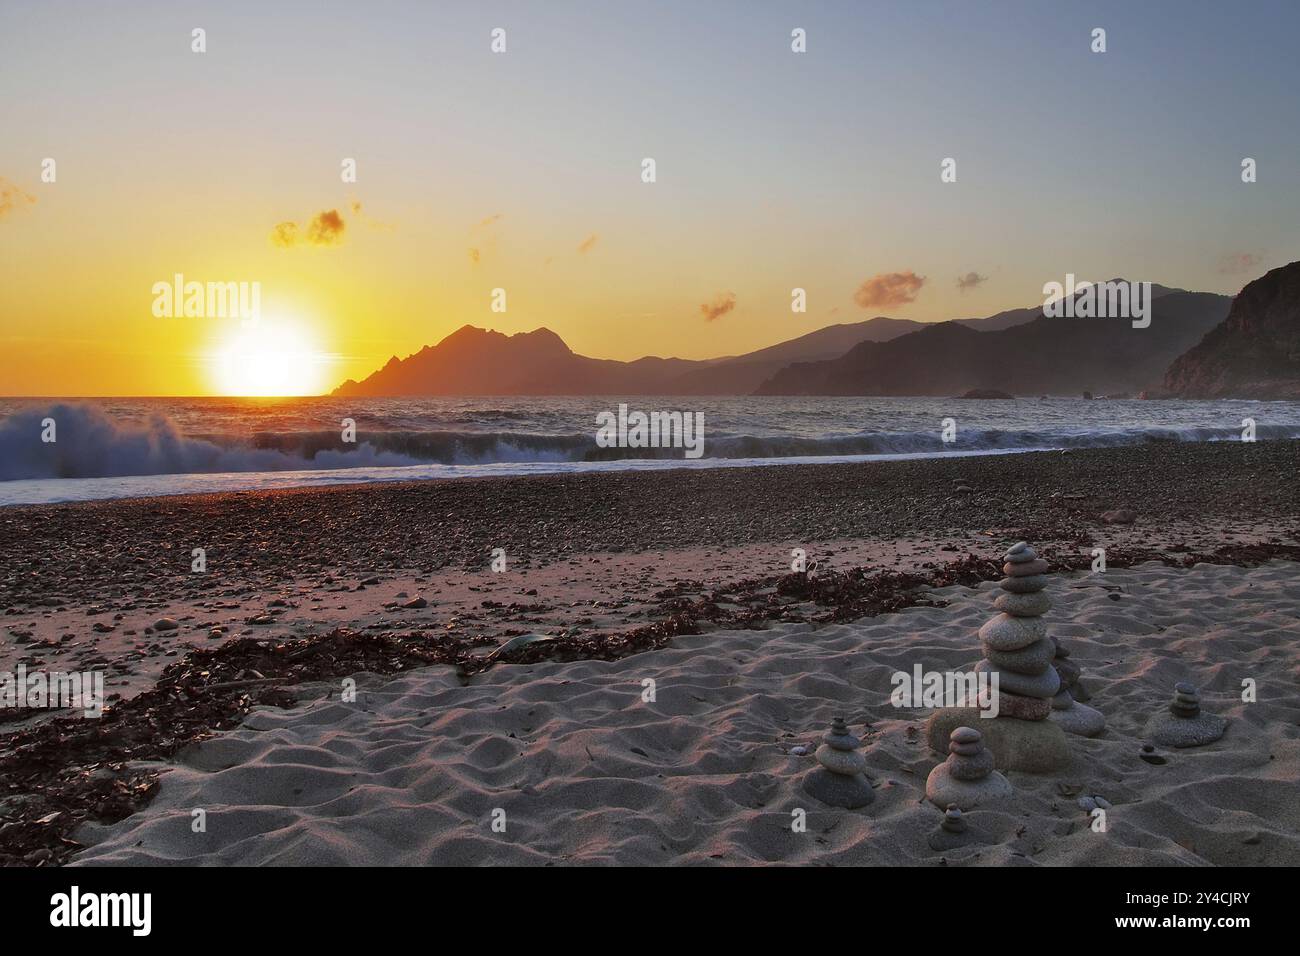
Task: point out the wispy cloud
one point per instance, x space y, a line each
971 280
13 198
584 247
889 289
484 237
325 229
722 303
1239 263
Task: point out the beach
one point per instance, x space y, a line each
682 576
577 767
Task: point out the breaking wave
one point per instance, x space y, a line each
90 444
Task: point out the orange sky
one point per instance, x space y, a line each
522 171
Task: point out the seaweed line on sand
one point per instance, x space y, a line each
69 769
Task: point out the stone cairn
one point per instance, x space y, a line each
1016 645
952 831
967 778
1183 724
841 780
1017 648
1074 717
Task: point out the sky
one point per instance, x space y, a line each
522 171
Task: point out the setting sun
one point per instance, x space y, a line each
269 358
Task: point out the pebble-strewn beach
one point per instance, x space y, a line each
109 585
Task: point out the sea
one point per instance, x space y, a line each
141 447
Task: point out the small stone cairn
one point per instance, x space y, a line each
841 780
967 778
1183 724
954 832
1074 717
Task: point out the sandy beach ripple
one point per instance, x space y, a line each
586 771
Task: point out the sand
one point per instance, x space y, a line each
585 771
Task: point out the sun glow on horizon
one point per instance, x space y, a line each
269 359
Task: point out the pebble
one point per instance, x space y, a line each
1032 659
1006 632
165 624
1025 569
1044 685
1024 605
1028 585
1023 708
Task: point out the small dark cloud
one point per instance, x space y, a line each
889 289
971 280
325 229
722 303
585 246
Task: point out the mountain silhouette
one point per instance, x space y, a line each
1045 355
1255 352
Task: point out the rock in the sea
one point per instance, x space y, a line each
966 780
1183 724
841 780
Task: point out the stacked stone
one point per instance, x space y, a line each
1183 725
841 780
1016 645
953 831
967 778
1074 717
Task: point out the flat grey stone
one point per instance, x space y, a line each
1023 569
970 767
1080 720
1023 605
1170 731
941 789
1044 685
1029 585
838 790
1027 660
1008 633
